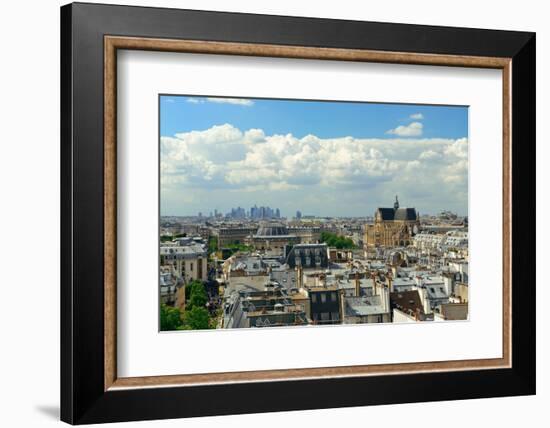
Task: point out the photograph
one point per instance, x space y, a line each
307 213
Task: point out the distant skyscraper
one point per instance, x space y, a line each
261 212
298 215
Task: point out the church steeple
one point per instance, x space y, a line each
396 204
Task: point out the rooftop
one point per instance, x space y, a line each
390 214
363 306
189 250
407 301
272 229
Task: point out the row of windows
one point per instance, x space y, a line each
323 296
307 261
183 266
326 316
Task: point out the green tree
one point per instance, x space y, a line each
196 319
239 247
195 288
212 245
198 298
196 295
215 318
170 318
335 241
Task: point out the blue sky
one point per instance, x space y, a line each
300 118
319 157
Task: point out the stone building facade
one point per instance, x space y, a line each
392 227
187 260
232 235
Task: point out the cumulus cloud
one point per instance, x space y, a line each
226 166
413 129
416 116
226 159
430 154
236 101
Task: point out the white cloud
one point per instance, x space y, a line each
224 166
293 170
254 135
430 154
416 116
413 129
236 101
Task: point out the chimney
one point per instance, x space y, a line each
299 277
374 284
386 298
424 299
342 305
357 285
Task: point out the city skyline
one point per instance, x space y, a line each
292 214
329 159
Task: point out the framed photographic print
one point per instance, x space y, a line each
292 213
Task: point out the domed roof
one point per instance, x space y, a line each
272 229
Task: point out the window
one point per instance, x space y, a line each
323 298
314 298
334 316
325 316
333 297
191 266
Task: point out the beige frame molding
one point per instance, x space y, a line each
113 43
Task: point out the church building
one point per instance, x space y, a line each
392 227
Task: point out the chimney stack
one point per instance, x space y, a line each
357 285
374 285
299 278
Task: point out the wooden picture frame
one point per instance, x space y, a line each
91 390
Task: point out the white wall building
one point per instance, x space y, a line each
187 258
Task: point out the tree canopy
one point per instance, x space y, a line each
170 318
336 241
212 245
195 288
197 318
